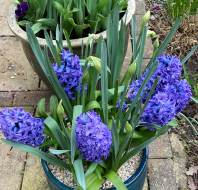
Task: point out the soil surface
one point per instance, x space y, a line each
185 38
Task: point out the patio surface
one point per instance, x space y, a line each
20 86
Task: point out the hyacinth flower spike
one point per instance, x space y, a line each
170 96
17 125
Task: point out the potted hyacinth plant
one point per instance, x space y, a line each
100 118
77 18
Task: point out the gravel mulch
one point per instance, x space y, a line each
125 171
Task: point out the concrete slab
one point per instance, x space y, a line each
34 178
12 166
161 174
160 148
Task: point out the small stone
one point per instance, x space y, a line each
152 17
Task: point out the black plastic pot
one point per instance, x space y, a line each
135 182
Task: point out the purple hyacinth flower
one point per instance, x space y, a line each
160 110
20 126
69 73
170 96
124 106
93 137
180 92
168 71
21 10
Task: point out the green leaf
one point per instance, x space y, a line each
184 60
57 133
94 182
195 131
37 27
92 105
133 35
91 169
36 152
79 171
116 180
52 48
115 139
68 40
140 54
94 62
40 110
44 65
173 123
194 99
104 81
60 111
77 111
53 106
57 152
48 22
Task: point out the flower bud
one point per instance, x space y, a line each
146 17
156 43
151 34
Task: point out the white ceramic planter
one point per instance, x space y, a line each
75 43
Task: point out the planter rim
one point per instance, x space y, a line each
130 180
19 32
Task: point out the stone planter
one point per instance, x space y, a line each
76 43
135 182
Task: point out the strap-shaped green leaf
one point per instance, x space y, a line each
52 48
104 81
91 169
47 70
94 182
57 152
40 110
57 133
185 59
92 105
116 180
77 111
79 171
115 139
53 106
36 152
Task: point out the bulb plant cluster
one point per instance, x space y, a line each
99 116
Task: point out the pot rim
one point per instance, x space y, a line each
138 172
19 32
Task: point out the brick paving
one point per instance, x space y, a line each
20 86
